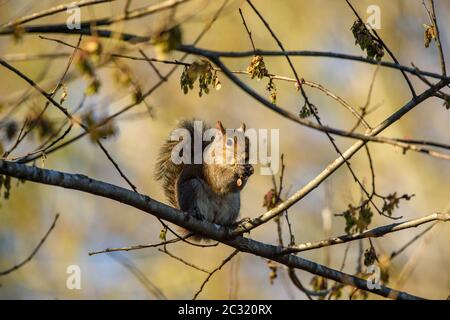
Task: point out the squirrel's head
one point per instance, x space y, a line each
229 155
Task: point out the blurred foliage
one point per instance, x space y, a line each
202 70
271 199
430 34
271 87
88 223
97 132
5 183
357 219
391 202
167 40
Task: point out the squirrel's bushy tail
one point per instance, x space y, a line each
166 170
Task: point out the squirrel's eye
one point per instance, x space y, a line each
229 142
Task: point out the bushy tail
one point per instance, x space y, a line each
166 170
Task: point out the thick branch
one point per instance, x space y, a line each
160 210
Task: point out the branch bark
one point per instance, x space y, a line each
372 233
146 204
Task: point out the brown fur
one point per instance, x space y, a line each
207 191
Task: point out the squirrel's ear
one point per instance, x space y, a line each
220 127
242 127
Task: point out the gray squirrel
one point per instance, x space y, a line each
209 190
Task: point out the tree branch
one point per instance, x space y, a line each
314 183
86 25
408 81
52 11
209 230
327 129
372 233
210 274
306 53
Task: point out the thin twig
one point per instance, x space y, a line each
224 262
135 247
410 242
34 252
86 25
307 53
371 233
52 94
246 28
367 104
331 130
408 81
438 38
144 95
52 11
140 276
164 250
335 164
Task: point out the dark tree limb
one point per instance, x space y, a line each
146 204
306 53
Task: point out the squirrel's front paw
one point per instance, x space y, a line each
242 221
244 172
248 170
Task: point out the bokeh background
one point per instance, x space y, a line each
90 223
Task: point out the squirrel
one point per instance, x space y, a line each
208 189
